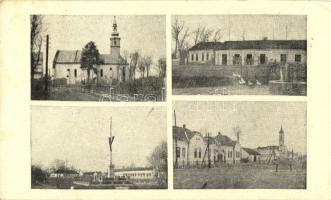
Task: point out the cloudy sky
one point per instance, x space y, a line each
79 135
72 32
260 122
253 27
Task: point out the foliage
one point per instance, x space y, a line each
199 81
133 64
90 57
158 160
38 175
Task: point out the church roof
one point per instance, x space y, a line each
252 44
74 57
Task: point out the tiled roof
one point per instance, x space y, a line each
179 133
74 57
251 151
224 140
272 147
252 44
134 169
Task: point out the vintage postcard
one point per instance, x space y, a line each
239 55
98 58
98 148
240 145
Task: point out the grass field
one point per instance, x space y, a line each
240 177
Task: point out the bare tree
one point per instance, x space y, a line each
158 160
36 28
134 57
162 65
147 62
237 132
196 34
141 67
217 35
177 28
205 34
183 45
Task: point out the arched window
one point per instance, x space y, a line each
75 73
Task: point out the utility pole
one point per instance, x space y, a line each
176 156
46 74
110 140
208 151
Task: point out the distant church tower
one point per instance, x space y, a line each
281 137
115 41
282 147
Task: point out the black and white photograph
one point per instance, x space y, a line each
239 55
98 148
239 145
98 57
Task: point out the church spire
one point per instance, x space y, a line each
114 25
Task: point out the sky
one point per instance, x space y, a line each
254 27
79 135
259 122
71 32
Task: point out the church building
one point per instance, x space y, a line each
274 152
67 64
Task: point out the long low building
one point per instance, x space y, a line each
249 52
136 173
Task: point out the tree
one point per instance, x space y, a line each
90 57
36 28
183 46
177 28
38 176
147 62
217 35
162 65
134 57
158 160
142 67
237 132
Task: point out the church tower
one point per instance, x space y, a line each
282 147
281 137
115 41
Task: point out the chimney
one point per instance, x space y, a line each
184 126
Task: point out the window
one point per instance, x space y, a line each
123 73
101 72
207 57
75 72
282 58
196 57
114 42
236 59
192 57
229 154
199 152
195 152
68 73
178 152
183 152
203 57
262 58
297 58
224 59
110 69
249 59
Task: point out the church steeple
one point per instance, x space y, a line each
115 41
281 136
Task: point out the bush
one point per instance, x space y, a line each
200 81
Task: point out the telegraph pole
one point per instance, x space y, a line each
110 140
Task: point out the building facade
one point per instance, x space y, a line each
67 64
192 148
250 52
136 173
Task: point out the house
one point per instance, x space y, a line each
67 64
190 148
230 150
142 173
250 155
249 52
64 173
